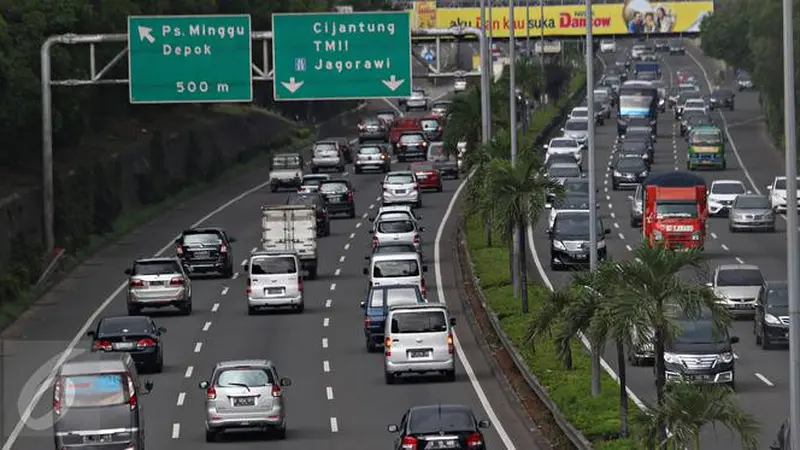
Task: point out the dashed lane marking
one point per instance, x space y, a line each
254 249
621 236
347 246
764 379
337 272
333 286
225 290
371 206
324 342
181 398
328 303
188 373
334 425
198 346
358 225
214 307
714 235
326 322
329 393
176 430
352 235
235 275
206 326
616 225
364 216
326 366
341 259
739 260
725 247
612 214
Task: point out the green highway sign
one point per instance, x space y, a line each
332 56
190 59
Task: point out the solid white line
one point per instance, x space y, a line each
487 406
225 290
333 286
188 373
329 393
206 326
764 379
214 307
337 272
324 342
328 303
197 347
347 246
352 235
358 225
176 430
181 398
334 425
326 366
341 259
326 322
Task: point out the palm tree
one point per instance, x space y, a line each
547 322
687 408
464 120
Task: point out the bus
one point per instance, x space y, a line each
637 99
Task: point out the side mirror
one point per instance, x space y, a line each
421 228
452 321
285 382
371 231
363 304
546 146
366 271
769 187
367 257
734 339
392 429
231 240
484 424
709 284
162 330
91 334
424 269
148 386
203 385
128 272
607 231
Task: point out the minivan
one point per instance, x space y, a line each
274 280
379 300
400 268
419 339
96 404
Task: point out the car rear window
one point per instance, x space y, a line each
202 239
395 226
395 296
411 138
399 179
88 391
333 188
325 149
419 322
313 181
244 377
395 248
155 267
369 151
273 266
396 269
431 420
124 325
387 117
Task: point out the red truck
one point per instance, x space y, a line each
675 210
403 125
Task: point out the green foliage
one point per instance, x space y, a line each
24 270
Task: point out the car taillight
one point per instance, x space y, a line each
387 348
450 347
146 342
375 242
423 288
179 250
136 283
349 196
299 284
248 290
367 322
276 391
132 400
415 186
177 281
361 126
211 393
102 344
57 396
416 239
409 443
474 440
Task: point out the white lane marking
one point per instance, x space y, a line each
371 206
364 216
329 393
352 235
637 259
337 272
197 347
324 342
358 225
326 366
176 430
188 373
621 236
605 189
333 286
764 379
608 197
735 355
630 249
334 425
739 260
328 303
254 249
225 290
235 275
612 215
714 235
610 206
347 246
616 225
326 322
181 398
725 247
214 307
206 326
244 262
341 259
473 379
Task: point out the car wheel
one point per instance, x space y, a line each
369 346
273 187
450 376
439 188
312 273
211 436
158 367
419 203
280 433
352 214
358 170
228 271
251 311
389 377
134 310
554 266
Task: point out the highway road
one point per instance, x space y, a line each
338 399
762 376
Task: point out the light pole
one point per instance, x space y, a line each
512 95
485 106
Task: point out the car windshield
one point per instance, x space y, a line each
635 101
124 325
314 180
759 202
436 149
201 239
780 184
699 331
405 247
326 150
564 171
778 296
573 202
579 112
409 138
574 226
273 266
600 95
399 179
395 226
285 162
576 186
419 322
633 147
333 188
155 267
396 268
699 120
689 113
429 124
395 296
372 121
637 133
369 151
88 391
576 125
676 209
740 277
692 94
647 76
241 377
631 165
418 94
727 188
695 103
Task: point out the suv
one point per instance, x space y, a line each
286 170
245 394
205 250
158 283
569 240
737 287
401 188
326 155
274 280
412 145
379 300
373 157
419 339
320 210
372 128
417 100
771 321
338 197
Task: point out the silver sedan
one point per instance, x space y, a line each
751 212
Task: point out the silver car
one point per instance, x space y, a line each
158 283
396 227
418 100
372 157
751 212
326 156
564 170
737 287
419 339
637 206
246 394
401 188
577 129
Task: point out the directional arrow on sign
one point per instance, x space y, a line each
146 33
293 85
393 83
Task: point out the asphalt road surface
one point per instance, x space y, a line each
762 376
338 399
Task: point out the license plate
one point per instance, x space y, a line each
201 254
124 345
102 439
742 306
334 200
580 256
419 353
435 445
703 377
156 283
244 401
401 191
273 291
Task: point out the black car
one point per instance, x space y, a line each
137 335
661 45
313 199
676 47
338 197
412 146
772 315
204 250
569 240
344 148
634 149
628 173
373 128
439 426
721 98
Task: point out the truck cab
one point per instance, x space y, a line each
675 210
706 148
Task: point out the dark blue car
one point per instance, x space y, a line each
376 307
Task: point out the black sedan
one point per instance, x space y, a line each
440 427
314 199
137 335
204 250
721 98
772 315
338 197
628 173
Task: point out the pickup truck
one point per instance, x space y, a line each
286 171
291 228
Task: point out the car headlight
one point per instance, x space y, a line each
696 236
645 156
671 358
772 320
617 173
657 235
558 245
601 244
725 357
643 174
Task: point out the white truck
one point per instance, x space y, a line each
291 228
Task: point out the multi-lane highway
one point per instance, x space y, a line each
762 376
338 399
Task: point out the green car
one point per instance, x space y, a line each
706 148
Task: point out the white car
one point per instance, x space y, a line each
565 146
579 112
695 103
608 46
721 195
777 194
460 85
418 100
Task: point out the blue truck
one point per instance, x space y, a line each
647 71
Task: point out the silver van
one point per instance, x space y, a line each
274 280
399 268
419 339
96 404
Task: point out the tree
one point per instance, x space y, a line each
724 36
548 322
464 121
687 408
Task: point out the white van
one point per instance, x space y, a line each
419 339
398 268
274 280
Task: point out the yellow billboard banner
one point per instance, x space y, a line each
632 17
424 15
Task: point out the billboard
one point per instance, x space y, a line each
631 17
424 15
